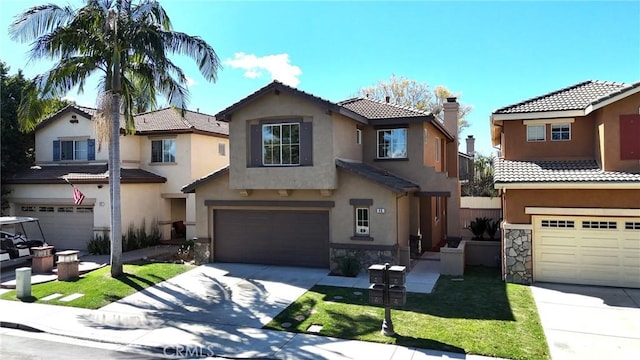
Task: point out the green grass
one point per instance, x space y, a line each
100 289
480 315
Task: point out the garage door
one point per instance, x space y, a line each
297 238
64 226
587 250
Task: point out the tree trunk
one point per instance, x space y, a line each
114 189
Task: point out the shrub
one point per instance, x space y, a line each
99 245
478 227
492 228
185 251
137 237
349 266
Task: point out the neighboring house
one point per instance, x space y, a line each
311 181
166 152
569 175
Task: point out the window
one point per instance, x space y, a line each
46 209
560 132
221 149
358 136
392 144
74 150
28 208
66 209
362 221
437 145
281 144
536 132
599 225
84 209
564 224
163 151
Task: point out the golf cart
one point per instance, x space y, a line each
17 236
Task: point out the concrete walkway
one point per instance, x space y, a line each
589 322
216 309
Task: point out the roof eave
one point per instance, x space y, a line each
191 188
568 185
538 115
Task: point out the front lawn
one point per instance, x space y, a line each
479 315
99 288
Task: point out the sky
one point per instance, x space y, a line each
490 54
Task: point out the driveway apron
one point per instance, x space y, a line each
589 322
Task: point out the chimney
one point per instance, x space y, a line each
198 110
471 145
451 116
387 98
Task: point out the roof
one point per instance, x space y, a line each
558 171
274 87
170 120
374 109
87 174
81 110
379 176
191 188
574 97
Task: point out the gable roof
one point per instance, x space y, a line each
191 188
557 171
583 97
170 120
80 110
380 176
81 174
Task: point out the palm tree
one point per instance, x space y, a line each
128 45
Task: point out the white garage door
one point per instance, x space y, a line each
64 226
587 250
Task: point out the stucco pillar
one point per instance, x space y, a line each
190 220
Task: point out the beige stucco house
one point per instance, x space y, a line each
569 177
311 181
166 152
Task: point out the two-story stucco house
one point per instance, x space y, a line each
166 152
569 175
311 181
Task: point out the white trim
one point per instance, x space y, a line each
549 121
604 103
581 211
539 115
544 132
567 185
509 226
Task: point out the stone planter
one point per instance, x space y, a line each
485 253
452 259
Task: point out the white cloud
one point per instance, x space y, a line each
191 82
278 66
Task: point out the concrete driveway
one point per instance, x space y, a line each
589 322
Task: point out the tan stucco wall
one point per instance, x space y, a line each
129 150
205 157
516 146
429 149
62 129
608 120
344 139
517 200
382 227
322 175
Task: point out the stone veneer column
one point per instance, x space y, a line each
517 252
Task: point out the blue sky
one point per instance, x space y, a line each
492 54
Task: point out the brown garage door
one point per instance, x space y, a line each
297 238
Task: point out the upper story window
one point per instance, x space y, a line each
438 145
560 132
392 144
358 136
163 151
74 150
222 149
536 132
281 144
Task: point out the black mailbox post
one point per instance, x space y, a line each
387 288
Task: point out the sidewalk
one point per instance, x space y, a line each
166 336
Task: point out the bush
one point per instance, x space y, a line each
478 227
186 249
349 266
492 228
137 237
99 245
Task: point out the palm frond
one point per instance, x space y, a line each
39 20
197 49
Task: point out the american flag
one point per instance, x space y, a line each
78 196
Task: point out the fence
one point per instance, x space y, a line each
478 207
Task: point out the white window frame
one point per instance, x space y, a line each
362 224
530 136
392 143
77 152
167 145
358 137
280 146
559 128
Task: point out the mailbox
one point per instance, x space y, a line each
397 275
397 295
376 294
376 274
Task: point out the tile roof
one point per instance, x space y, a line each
575 97
191 188
511 171
170 119
91 174
380 176
374 109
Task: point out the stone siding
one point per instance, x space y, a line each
518 266
365 257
